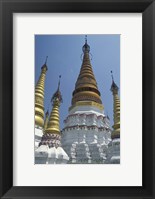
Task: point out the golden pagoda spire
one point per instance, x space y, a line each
39 97
53 123
86 90
46 120
116 126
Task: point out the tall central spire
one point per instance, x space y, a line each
86 89
87 131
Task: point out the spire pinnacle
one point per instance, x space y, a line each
86 47
112 76
57 95
86 39
59 82
46 60
44 67
114 87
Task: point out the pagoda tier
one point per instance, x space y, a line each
86 90
86 136
86 133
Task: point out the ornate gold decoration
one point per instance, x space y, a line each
116 126
87 103
39 97
86 86
53 123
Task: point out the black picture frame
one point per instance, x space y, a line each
7 8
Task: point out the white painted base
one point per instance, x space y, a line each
38 136
86 135
46 155
113 153
86 146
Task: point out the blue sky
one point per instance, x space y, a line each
64 58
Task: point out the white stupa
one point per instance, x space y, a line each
86 133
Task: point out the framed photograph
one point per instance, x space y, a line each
77 99
85 136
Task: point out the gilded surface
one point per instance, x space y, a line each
86 86
87 103
39 98
116 126
53 123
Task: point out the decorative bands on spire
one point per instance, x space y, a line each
114 89
53 123
39 97
51 140
86 89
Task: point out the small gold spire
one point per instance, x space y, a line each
116 126
86 89
39 97
53 123
46 120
